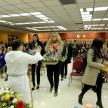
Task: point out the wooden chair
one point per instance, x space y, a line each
77 65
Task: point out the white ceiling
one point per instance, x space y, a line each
63 15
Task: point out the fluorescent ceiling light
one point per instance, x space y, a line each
99 28
100 8
45 18
93 28
34 22
105 18
106 28
87 20
27 23
14 15
51 22
35 13
3 21
96 19
40 16
18 23
4 16
55 29
24 14
81 10
42 22
95 25
89 9
85 13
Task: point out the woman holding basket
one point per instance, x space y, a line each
55 43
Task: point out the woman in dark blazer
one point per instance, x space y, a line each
32 46
92 75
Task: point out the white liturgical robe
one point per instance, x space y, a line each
17 68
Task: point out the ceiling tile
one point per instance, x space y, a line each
2 3
85 1
52 3
2 9
41 9
37 4
18 11
29 1
56 8
8 12
30 10
71 6
13 1
99 12
9 7
60 11
22 6
100 0
100 4
86 5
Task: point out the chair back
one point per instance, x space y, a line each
77 64
78 57
81 56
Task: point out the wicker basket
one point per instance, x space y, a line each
49 63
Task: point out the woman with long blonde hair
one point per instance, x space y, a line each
54 42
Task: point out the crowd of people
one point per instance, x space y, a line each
71 50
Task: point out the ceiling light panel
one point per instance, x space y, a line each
35 14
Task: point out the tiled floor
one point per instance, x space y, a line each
68 96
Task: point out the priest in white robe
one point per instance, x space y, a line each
17 68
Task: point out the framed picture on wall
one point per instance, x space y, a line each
11 38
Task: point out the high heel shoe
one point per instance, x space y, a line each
56 93
99 104
51 89
37 87
80 99
61 79
33 88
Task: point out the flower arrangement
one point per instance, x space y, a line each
51 55
11 99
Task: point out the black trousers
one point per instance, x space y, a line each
74 53
64 65
99 87
37 72
56 70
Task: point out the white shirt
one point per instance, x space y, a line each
17 62
17 68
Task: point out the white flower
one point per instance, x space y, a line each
11 106
15 100
1 92
6 91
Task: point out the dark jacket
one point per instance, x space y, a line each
32 46
2 60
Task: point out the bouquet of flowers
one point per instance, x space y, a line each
11 99
51 57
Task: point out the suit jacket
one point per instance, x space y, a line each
92 69
32 44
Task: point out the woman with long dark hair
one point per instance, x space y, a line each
33 45
92 75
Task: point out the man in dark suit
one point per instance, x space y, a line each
75 49
33 45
